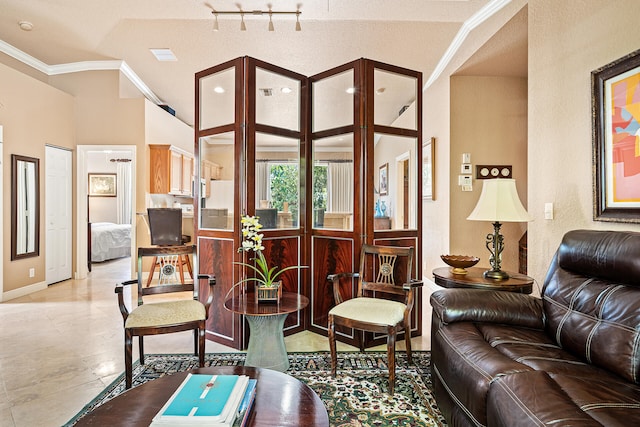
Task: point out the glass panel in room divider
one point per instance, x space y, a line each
333 101
277 100
396 183
333 182
277 174
394 100
217 98
217 181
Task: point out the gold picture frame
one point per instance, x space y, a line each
102 185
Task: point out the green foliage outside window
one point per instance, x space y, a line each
284 187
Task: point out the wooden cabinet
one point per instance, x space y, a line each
171 170
210 170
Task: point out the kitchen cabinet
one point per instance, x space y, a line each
171 170
210 170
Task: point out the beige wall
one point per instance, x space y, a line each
567 40
489 121
33 114
437 122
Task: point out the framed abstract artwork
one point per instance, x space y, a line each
615 90
428 179
102 184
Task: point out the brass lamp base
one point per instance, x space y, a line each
495 275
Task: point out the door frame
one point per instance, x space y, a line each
2 209
82 204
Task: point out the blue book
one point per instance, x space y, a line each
247 402
213 399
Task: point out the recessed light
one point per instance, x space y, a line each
380 91
351 90
218 89
164 54
286 90
25 25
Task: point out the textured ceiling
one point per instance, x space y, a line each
414 35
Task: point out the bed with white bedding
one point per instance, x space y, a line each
108 241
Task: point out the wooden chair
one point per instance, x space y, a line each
381 305
165 229
167 315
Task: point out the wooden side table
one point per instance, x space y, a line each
474 279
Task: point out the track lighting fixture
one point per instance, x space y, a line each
269 12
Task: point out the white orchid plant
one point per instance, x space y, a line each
252 242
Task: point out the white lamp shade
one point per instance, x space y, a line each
499 202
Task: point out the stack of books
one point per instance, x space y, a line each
211 400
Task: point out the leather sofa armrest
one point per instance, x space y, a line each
477 305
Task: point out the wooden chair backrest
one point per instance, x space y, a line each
167 251
384 269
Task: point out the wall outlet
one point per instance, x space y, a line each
32 272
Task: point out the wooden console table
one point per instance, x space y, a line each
444 277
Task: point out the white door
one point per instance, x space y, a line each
58 214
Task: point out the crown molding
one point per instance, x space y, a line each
78 67
474 21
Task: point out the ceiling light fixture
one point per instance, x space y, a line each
268 13
25 25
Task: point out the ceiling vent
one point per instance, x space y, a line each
266 91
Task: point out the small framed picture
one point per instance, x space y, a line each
384 179
428 170
102 184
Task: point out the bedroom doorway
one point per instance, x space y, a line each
58 213
101 161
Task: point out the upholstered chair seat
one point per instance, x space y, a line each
166 313
371 310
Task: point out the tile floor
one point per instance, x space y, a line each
61 346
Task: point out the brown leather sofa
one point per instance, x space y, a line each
569 358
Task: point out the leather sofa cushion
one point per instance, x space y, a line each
540 398
591 317
466 364
532 399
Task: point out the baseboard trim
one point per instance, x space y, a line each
25 290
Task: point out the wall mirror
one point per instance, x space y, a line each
25 207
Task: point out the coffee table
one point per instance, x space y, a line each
266 340
281 400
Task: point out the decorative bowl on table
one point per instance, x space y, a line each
460 262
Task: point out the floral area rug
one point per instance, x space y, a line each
356 397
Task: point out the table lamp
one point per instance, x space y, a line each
498 203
